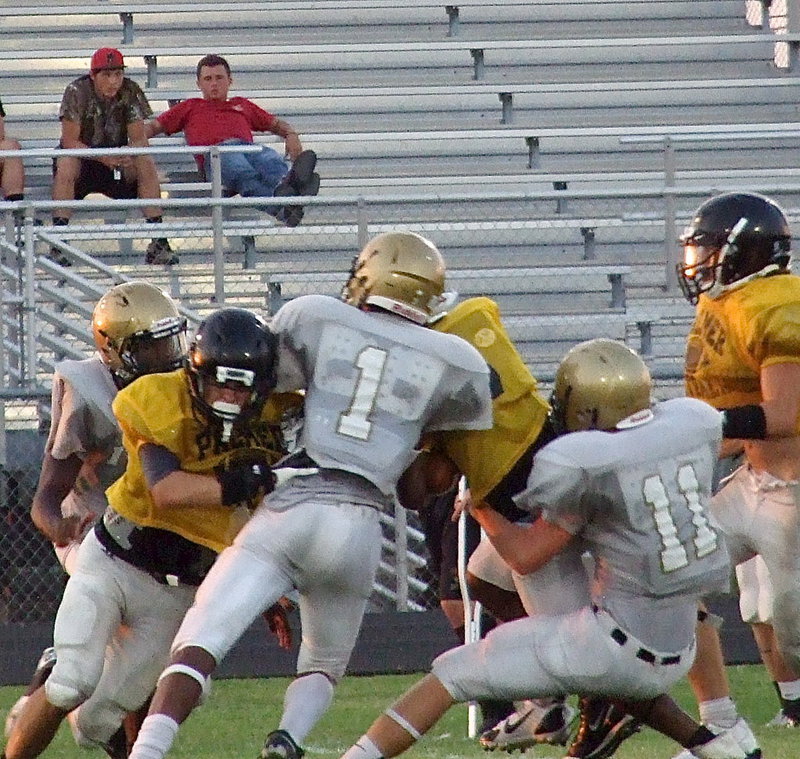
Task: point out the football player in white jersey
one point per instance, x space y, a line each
134 326
632 486
376 380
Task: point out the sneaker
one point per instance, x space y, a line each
57 257
602 729
740 732
159 251
302 173
281 745
530 725
493 712
724 746
291 216
782 719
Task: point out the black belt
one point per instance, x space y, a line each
621 637
129 556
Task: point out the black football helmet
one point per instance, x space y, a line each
232 347
732 238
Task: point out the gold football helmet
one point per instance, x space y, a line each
401 272
138 330
600 383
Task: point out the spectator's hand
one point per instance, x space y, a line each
293 145
277 620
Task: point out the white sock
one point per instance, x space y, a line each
363 748
306 699
156 737
719 712
790 690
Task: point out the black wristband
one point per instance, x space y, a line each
744 423
241 483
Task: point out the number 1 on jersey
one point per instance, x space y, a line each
355 421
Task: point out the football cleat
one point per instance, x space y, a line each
281 745
724 746
740 733
782 719
603 727
530 725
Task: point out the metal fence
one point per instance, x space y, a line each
549 257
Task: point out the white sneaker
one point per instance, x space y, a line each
740 733
724 746
13 714
530 725
781 719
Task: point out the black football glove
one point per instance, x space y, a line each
242 482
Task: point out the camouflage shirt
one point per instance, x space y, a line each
104 123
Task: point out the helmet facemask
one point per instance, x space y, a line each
231 368
243 381
733 238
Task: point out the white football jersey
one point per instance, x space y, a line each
83 424
639 497
375 384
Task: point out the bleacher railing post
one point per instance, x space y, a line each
30 328
362 222
216 224
669 215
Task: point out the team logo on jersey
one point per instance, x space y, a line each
484 337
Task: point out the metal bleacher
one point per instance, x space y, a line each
526 138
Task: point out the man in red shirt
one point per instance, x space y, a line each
216 119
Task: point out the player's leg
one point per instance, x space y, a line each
756 599
136 656
243 582
91 593
336 570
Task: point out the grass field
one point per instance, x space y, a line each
239 713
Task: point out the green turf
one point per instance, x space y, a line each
240 712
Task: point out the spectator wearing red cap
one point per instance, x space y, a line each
105 109
216 119
12 172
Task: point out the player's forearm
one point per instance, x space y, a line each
180 489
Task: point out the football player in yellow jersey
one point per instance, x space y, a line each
200 441
496 464
743 356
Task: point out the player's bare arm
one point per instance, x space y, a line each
55 481
430 474
780 388
524 547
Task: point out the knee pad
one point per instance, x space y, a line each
62 695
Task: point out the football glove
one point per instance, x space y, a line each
242 482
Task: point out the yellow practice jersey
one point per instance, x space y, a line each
519 412
739 332
158 409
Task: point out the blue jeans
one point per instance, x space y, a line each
252 174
